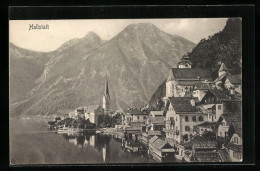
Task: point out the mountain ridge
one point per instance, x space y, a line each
135 64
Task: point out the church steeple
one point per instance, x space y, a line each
184 62
106 97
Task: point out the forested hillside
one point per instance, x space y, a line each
224 46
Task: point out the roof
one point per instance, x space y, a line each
234 147
159 143
154 133
190 74
220 94
229 118
137 111
207 124
207 157
238 128
223 153
159 119
222 68
153 139
183 105
204 144
202 86
188 82
92 108
160 113
220 77
235 79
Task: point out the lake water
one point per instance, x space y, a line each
32 143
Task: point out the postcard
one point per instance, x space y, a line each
113 91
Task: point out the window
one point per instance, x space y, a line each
168 134
236 155
137 117
194 118
171 135
144 117
186 118
187 128
223 123
219 107
235 140
200 118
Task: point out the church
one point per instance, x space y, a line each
181 80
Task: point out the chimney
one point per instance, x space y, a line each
192 102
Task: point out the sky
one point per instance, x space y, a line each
61 31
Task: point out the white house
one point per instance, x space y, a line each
92 113
183 115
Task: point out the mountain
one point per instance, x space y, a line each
224 46
22 62
136 61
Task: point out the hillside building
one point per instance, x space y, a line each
181 80
223 125
233 83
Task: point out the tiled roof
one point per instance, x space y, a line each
153 139
156 120
234 147
204 144
207 124
202 86
159 143
183 105
223 153
235 79
238 127
154 133
232 117
191 74
229 118
207 157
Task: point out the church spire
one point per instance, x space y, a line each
106 88
106 97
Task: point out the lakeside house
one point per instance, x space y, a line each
160 149
182 114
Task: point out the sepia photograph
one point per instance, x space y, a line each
125 91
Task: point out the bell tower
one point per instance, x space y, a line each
106 98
